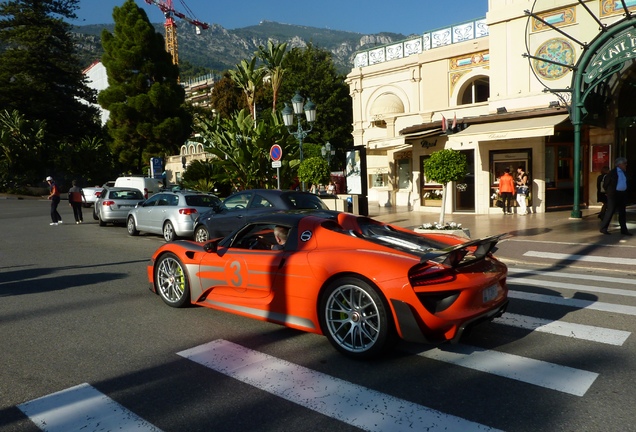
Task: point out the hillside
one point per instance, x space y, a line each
220 49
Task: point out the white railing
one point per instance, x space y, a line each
434 39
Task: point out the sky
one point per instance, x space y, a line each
360 16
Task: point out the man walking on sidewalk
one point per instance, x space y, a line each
615 184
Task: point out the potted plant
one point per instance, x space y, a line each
448 228
443 167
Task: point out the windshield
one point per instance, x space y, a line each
304 201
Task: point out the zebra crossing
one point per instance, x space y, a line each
83 407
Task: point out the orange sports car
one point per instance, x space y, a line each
360 282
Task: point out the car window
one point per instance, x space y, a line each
152 200
237 202
173 200
202 200
260 202
300 200
255 237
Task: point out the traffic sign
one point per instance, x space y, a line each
276 164
276 153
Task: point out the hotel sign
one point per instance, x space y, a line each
616 51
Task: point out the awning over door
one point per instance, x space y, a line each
511 129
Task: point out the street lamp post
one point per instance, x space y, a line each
288 118
327 152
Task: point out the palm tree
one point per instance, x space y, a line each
273 59
249 79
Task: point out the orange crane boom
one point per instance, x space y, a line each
171 26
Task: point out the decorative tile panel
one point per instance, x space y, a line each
377 56
558 50
615 7
557 18
481 58
441 38
361 59
413 46
463 32
426 41
481 28
394 52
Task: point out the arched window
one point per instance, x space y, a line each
200 148
475 91
184 150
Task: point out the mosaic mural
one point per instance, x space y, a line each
557 18
558 50
614 7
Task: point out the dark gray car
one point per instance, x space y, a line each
242 207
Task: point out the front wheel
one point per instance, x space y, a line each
201 234
168 232
171 282
130 225
355 319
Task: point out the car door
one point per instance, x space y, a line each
145 212
232 215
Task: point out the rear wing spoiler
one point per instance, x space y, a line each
460 254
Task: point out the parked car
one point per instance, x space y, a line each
171 214
92 193
241 207
148 186
114 204
360 282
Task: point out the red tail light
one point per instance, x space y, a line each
429 274
108 203
98 194
187 211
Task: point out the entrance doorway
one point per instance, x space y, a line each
465 191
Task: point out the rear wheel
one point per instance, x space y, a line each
130 225
171 282
101 222
168 232
355 319
201 234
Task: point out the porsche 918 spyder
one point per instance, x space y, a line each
360 282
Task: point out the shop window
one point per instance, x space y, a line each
379 180
404 173
475 91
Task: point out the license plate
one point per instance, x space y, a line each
490 293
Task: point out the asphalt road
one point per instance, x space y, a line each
75 309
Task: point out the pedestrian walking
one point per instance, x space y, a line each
76 199
615 184
522 190
506 190
54 196
601 196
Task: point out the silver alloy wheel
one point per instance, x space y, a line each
353 318
170 281
130 225
201 234
168 231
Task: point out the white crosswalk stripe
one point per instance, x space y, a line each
583 258
82 408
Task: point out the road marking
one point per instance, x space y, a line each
575 303
576 331
586 258
565 275
569 286
350 403
82 408
549 375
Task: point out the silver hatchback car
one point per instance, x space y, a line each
113 204
171 214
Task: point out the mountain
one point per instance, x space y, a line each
220 49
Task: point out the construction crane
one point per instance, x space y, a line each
171 26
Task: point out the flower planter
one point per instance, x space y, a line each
432 203
464 232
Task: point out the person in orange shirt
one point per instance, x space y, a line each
506 190
55 201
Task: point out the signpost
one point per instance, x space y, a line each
276 153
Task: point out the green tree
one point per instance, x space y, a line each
226 98
242 147
311 71
249 78
273 57
314 171
21 144
40 73
443 167
148 116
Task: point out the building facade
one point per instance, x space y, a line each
500 90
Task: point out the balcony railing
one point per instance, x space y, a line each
468 30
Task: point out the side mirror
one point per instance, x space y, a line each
211 246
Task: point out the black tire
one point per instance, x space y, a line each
168 232
171 281
130 226
95 215
201 234
355 318
101 222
